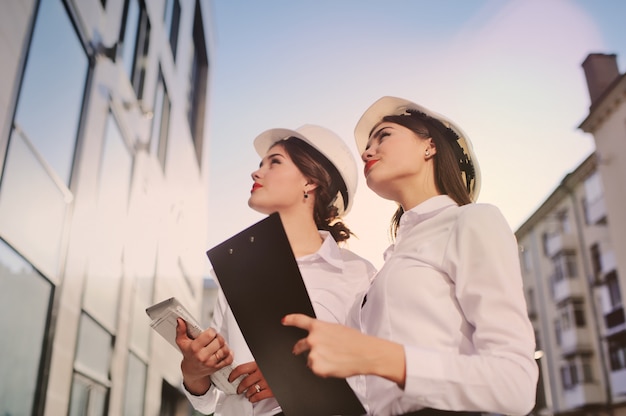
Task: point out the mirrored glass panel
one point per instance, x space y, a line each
50 101
24 303
111 222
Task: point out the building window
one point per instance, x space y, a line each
160 122
25 298
91 383
612 285
173 402
135 44
105 263
565 265
593 204
596 260
558 331
88 398
51 96
576 370
563 219
617 352
572 315
578 309
37 171
198 78
136 374
569 376
172 23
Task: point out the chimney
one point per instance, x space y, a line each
600 70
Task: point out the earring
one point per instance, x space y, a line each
306 194
427 152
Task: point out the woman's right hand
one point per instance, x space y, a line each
202 357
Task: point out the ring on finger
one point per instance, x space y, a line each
257 388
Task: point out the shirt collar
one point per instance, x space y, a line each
328 252
426 210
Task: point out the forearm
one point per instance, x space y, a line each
386 359
197 386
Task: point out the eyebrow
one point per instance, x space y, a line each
271 156
377 134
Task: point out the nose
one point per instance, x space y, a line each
367 154
255 175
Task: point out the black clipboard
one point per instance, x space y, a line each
261 281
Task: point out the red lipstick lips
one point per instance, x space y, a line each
369 165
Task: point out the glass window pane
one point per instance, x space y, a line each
25 294
27 188
94 349
135 386
105 259
130 36
50 101
88 398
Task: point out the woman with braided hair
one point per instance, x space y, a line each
309 177
444 326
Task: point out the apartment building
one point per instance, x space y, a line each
103 199
573 256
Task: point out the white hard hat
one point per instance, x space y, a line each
328 144
389 106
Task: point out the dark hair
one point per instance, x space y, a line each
449 161
315 166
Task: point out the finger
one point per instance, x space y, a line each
254 390
181 333
301 346
265 393
298 320
206 337
246 368
246 384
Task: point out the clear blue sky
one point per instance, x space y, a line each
509 72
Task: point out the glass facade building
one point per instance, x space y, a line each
103 199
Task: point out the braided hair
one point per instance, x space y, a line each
315 166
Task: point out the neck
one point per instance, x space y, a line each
302 233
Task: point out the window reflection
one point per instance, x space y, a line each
135 386
136 42
172 23
105 258
24 302
160 122
51 96
94 350
129 38
198 76
87 398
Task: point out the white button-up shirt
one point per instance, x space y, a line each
334 277
451 292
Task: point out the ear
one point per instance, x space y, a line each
430 148
310 186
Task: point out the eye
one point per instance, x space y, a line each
275 161
382 135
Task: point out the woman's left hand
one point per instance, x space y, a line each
253 385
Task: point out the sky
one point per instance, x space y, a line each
507 71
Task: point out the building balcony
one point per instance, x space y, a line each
596 211
567 287
608 263
583 395
557 243
614 321
618 382
575 340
